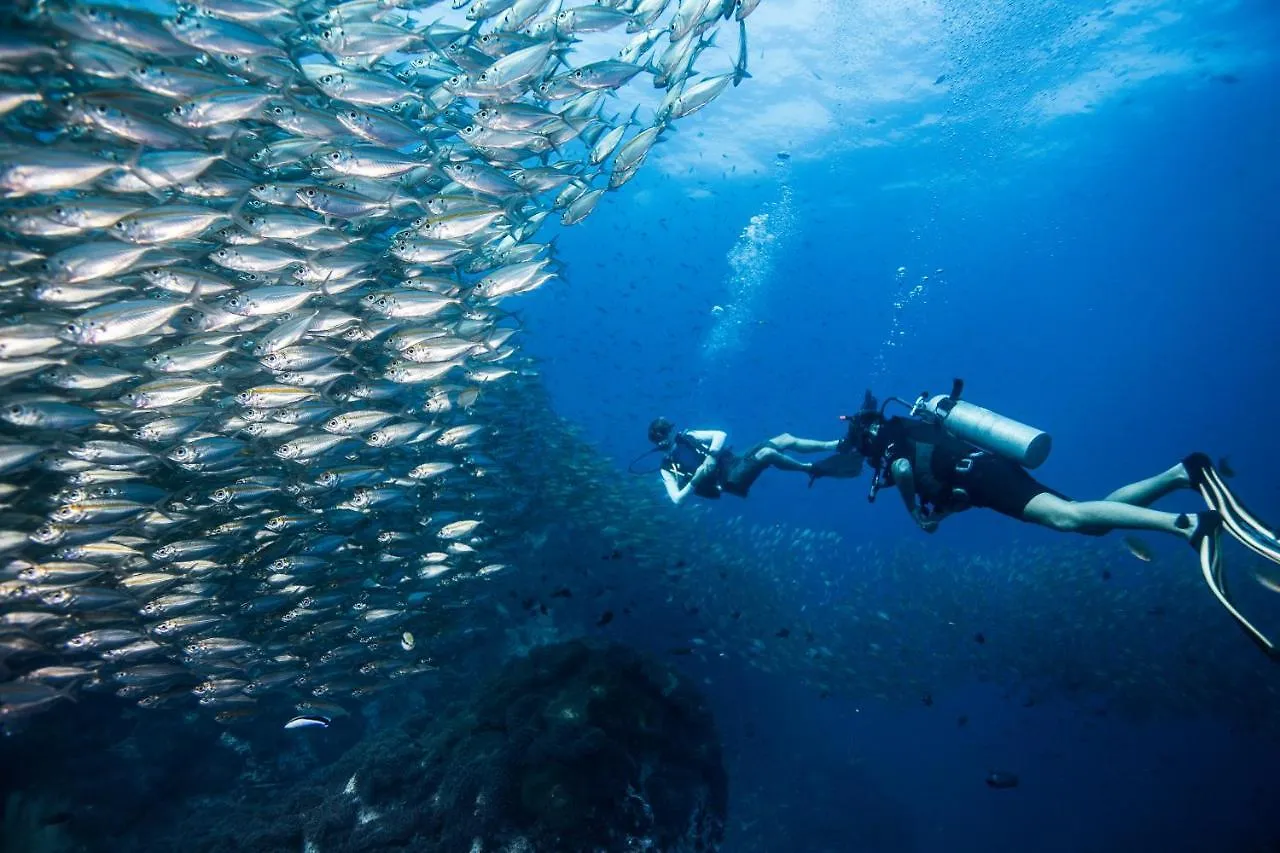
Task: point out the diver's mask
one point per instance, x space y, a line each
662 433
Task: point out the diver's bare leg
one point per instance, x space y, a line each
786 441
1099 517
780 460
1148 491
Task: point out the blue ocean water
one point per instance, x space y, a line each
1107 276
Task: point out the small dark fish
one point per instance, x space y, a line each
927 699
681 650
942 78
1002 779
783 633
1224 467
307 721
784 155
979 638
605 619
962 720
562 592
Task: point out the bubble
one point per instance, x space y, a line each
751 263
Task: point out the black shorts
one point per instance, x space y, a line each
1001 484
737 473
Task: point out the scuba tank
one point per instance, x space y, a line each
984 428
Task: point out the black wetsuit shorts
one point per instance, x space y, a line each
1001 484
737 473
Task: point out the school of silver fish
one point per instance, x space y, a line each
253 262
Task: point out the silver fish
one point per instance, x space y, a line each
256 339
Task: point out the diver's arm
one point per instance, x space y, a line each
713 438
674 491
905 479
678 493
931 521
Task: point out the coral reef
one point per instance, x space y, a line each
33 825
578 747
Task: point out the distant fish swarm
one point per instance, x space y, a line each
252 266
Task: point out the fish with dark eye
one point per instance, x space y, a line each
605 74
1002 779
20 698
218 107
166 393
589 19
94 511
219 37
173 81
165 224
104 638
121 321
49 415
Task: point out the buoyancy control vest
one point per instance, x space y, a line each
935 456
685 457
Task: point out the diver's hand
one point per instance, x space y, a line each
926 523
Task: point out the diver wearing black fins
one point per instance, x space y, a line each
947 456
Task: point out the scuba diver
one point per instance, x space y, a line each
697 461
948 455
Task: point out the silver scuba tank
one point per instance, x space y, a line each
989 431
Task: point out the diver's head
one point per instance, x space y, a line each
660 431
864 426
867 427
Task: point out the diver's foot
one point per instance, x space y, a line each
1198 527
1194 467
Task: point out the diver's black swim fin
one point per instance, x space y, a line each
1236 518
1206 541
